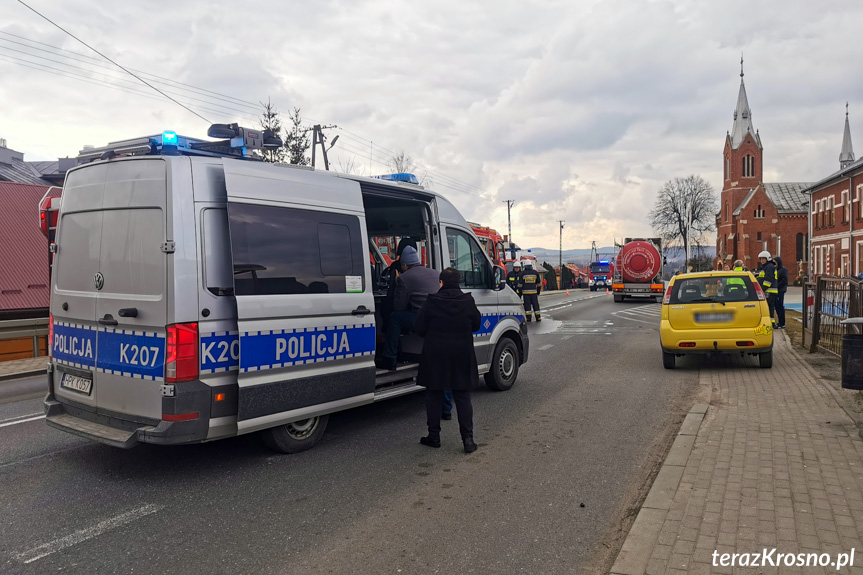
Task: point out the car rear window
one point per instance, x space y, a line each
719 289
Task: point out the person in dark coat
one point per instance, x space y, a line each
782 286
447 322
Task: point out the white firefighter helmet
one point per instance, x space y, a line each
527 263
516 264
764 254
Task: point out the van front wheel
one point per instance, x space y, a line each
504 366
296 436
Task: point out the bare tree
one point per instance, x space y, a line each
297 140
401 163
685 210
350 165
270 120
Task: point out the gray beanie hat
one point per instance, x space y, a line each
409 257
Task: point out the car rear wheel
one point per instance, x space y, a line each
296 436
667 360
504 366
765 359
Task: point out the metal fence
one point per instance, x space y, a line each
20 328
826 303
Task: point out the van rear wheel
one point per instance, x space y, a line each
504 366
296 436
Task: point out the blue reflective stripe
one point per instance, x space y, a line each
74 344
220 351
275 349
131 352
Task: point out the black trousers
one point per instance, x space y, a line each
531 302
463 406
771 305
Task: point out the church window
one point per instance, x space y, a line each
727 168
831 210
748 166
727 212
758 213
846 205
758 237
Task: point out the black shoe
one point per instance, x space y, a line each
446 416
431 441
469 445
528 320
388 363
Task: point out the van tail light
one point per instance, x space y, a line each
758 291
667 299
50 335
687 344
181 352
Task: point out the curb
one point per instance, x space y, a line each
19 375
635 553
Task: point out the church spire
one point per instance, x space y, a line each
846 156
742 116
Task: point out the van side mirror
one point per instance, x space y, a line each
499 278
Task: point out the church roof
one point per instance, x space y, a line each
742 117
786 197
846 155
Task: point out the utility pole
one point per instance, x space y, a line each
319 138
561 253
509 205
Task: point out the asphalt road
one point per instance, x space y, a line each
564 458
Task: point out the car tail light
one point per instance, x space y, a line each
687 344
758 291
667 299
50 334
181 352
745 343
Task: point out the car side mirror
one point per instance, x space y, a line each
499 279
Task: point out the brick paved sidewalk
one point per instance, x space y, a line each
22 367
775 463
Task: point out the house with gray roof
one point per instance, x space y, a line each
14 169
755 216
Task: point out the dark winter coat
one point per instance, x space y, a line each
782 275
447 322
413 286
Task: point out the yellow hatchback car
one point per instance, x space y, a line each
715 312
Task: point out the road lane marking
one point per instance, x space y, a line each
566 337
84 534
7 422
546 346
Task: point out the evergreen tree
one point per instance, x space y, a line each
550 276
270 121
297 140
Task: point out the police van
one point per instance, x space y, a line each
199 294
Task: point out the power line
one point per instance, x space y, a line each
110 60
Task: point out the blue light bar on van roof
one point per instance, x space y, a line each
169 139
603 261
409 178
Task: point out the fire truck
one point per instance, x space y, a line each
599 274
492 242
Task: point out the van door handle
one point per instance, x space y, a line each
128 312
361 311
108 320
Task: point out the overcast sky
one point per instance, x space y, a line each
576 110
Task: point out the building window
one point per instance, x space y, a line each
846 207
859 202
758 237
748 166
759 213
798 252
859 257
831 210
727 212
727 168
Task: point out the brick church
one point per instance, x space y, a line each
755 215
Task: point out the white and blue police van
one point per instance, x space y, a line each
199 293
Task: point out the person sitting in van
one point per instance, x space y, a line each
413 285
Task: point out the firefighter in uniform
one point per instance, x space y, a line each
512 277
529 286
769 280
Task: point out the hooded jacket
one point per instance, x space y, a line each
447 322
781 275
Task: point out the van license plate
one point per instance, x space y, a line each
713 317
76 383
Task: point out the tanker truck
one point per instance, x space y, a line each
638 269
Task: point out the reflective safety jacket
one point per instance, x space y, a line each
529 282
512 279
768 278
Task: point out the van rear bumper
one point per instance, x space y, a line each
118 430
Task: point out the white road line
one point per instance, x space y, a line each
566 337
8 423
84 534
546 346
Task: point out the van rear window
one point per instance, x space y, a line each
724 289
291 251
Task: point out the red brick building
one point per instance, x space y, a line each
756 216
837 216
